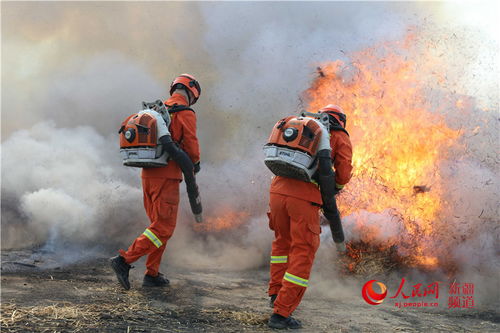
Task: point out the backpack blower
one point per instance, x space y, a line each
299 148
145 142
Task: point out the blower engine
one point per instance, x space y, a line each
140 134
293 146
145 142
299 148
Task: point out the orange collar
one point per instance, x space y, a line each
176 99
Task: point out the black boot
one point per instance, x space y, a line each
280 322
155 281
121 269
272 299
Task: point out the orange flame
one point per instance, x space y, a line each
398 135
222 221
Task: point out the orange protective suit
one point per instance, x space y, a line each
294 218
342 157
161 192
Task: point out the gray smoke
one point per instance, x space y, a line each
64 182
73 71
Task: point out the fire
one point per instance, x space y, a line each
222 221
398 134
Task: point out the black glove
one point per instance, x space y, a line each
197 168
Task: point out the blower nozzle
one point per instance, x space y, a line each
187 168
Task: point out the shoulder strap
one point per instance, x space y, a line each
338 128
178 108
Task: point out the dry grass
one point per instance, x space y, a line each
244 317
12 315
363 259
66 314
116 316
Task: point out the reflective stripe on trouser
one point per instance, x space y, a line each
152 237
279 259
295 279
279 265
296 227
161 199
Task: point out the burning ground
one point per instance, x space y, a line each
408 153
423 203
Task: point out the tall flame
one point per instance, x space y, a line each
398 135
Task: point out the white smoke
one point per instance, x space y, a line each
472 191
372 228
65 182
76 77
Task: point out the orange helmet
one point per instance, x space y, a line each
188 82
336 115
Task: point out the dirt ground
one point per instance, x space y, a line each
85 297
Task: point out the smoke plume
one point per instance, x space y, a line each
73 71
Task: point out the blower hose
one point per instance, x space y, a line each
187 168
326 180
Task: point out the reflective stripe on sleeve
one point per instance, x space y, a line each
279 259
152 237
339 186
296 280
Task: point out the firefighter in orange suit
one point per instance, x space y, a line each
294 207
161 188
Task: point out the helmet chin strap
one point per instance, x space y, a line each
184 93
